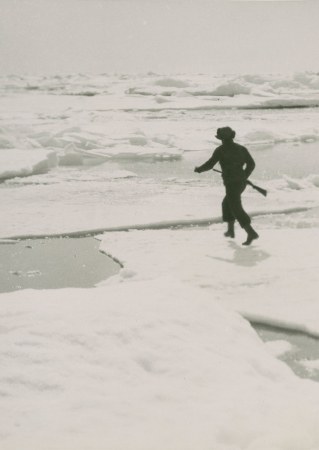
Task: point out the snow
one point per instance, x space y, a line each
18 163
90 200
279 347
134 117
296 85
230 90
310 365
171 82
165 345
169 361
262 282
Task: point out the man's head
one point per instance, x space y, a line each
225 134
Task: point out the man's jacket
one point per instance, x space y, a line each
235 160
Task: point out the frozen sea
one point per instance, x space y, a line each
166 344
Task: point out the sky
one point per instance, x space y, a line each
162 36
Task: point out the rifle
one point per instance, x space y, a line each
257 188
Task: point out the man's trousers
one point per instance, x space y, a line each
232 207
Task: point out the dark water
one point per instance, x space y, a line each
303 347
53 263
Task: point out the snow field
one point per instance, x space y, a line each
152 117
268 85
20 163
275 283
112 128
153 363
64 202
159 356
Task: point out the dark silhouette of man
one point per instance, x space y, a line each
237 164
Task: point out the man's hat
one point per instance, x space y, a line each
225 133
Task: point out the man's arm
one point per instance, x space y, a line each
208 165
250 164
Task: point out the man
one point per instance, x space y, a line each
237 165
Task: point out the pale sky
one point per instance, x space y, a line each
164 36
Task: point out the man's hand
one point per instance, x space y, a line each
196 170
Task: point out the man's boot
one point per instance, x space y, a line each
230 230
251 235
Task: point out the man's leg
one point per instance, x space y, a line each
233 195
233 201
228 217
251 235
